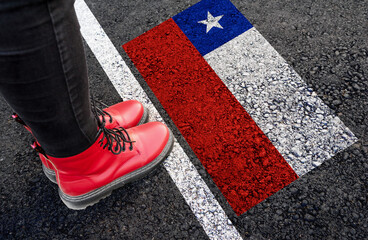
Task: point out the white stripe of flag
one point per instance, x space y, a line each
302 128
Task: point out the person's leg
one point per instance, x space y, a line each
43 74
43 77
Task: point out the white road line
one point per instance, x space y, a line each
194 190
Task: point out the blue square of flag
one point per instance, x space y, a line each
211 23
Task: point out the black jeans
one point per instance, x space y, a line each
43 73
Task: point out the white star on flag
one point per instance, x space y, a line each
211 21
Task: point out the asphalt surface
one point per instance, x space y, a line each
325 42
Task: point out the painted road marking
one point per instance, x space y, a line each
294 118
194 190
241 160
218 129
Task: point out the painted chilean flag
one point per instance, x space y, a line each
249 117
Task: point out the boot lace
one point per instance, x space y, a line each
115 139
100 111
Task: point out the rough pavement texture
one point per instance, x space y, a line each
191 98
325 42
31 208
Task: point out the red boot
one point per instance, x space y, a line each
116 158
125 114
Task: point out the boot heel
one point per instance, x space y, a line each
50 174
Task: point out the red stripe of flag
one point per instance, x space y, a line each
241 160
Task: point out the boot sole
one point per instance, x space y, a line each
144 117
50 174
82 201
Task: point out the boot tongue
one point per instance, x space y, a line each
118 119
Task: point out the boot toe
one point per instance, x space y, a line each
151 139
128 113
